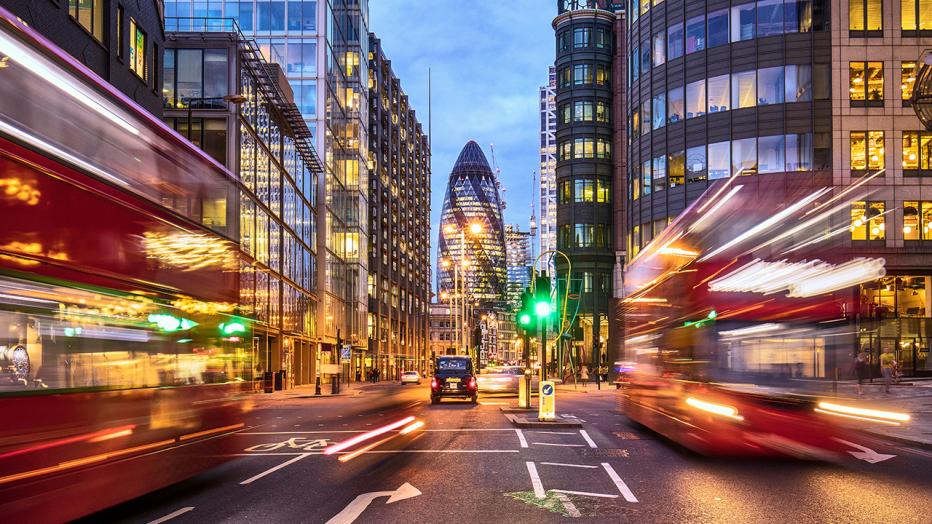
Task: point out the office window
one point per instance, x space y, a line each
645 116
659 55
916 15
695 164
563 41
769 18
717 28
90 15
582 111
137 50
917 150
676 107
602 75
865 15
742 22
635 127
867 221
602 112
695 34
744 89
584 190
603 148
744 157
583 148
302 16
674 41
770 85
659 111
695 99
798 83
911 222
867 150
646 176
566 113
719 160
659 173
635 63
581 36
797 15
718 91
603 191
771 154
645 56
583 235
566 192
582 74
566 77
865 82
676 168
566 150
907 80
798 152
603 38
586 282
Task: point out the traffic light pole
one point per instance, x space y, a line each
542 324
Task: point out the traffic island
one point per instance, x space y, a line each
531 421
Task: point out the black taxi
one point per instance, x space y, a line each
453 377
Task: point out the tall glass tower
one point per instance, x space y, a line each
471 229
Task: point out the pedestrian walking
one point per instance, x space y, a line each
860 368
584 374
887 366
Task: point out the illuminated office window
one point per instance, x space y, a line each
867 150
865 82
744 89
916 15
137 50
867 221
907 80
865 15
917 150
90 15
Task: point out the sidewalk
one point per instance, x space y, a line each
915 399
307 391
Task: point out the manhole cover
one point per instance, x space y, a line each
604 453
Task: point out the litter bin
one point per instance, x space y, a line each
279 380
268 382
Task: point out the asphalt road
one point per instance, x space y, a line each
469 464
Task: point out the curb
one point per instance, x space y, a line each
521 422
924 444
513 409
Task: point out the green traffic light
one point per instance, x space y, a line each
542 309
233 327
524 319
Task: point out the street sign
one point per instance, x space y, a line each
547 409
346 353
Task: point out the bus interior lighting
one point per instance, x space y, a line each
712 407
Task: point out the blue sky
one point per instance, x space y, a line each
487 59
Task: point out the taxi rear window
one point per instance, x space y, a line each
452 364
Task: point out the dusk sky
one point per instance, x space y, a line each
488 58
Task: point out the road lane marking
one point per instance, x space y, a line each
569 465
561 445
521 438
172 515
588 438
250 480
359 504
568 505
620 484
415 403
554 432
535 481
439 430
585 493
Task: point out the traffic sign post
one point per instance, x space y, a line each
547 403
346 353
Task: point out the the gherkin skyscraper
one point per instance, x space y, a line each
471 229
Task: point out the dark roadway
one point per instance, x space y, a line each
470 465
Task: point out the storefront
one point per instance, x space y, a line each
894 314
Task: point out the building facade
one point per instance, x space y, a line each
225 98
443 330
548 164
471 232
518 262
322 46
121 42
585 165
800 92
399 225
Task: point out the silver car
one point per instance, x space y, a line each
503 379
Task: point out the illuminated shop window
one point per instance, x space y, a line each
867 221
867 150
865 82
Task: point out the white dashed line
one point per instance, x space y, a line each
521 438
555 432
588 438
561 445
535 481
172 515
569 465
620 484
273 470
585 493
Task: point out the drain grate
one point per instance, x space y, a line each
627 435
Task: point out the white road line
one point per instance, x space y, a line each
554 432
363 431
585 493
250 480
588 438
521 438
415 403
620 484
535 481
378 451
561 445
569 465
568 505
172 515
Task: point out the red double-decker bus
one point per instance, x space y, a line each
123 353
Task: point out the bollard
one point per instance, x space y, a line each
334 384
317 386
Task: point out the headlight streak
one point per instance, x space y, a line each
717 409
340 446
874 415
407 429
799 279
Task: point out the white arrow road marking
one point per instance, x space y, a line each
174 514
620 484
359 504
866 454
